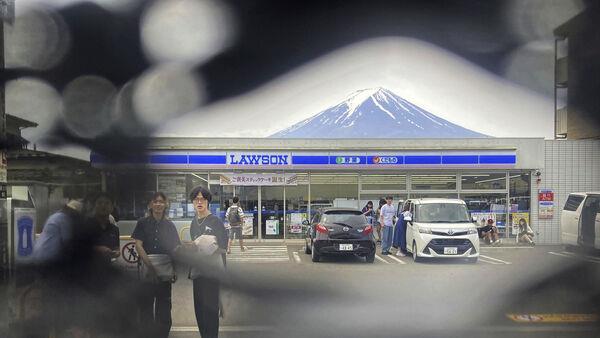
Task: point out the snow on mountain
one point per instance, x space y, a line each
375 113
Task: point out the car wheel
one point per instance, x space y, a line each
472 260
370 258
306 248
314 255
414 252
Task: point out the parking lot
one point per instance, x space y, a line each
277 288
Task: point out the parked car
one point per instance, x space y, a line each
339 231
441 228
580 222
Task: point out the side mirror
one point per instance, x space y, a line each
305 222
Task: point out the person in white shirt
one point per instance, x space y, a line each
235 217
387 225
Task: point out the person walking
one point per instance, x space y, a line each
235 217
387 225
206 286
156 241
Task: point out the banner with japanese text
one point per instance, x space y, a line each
258 179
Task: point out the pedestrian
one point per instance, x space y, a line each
378 219
235 217
104 234
206 286
368 211
387 225
400 231
156 241
62 257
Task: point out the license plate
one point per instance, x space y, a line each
450 251
346 247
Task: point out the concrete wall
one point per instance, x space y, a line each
570 166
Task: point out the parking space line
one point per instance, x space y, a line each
296 257
397 259
595 259
494 259
505 247
381 259
489 262
574 256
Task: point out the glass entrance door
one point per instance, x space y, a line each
249 201
272 212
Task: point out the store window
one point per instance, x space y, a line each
333 190
483 181
133 192
177 187
222 195
488 206
397 200
383 182
433 182
520 200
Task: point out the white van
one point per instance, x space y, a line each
441 227
580 220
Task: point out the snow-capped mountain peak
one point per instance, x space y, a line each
375 113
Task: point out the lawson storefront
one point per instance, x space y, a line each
280 183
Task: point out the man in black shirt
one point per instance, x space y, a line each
156 235
206 286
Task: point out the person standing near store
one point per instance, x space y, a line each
378 219
235 217
206 286
368 212
400 231
157 236
387 225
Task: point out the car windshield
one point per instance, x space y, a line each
345 218
442 212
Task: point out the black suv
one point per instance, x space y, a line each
339 231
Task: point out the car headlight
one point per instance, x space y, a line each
425 230
471 231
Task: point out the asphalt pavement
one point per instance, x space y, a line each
275 290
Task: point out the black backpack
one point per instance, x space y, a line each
234 217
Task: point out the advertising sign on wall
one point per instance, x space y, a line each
24 236
545 204
248 228
272 227
517 218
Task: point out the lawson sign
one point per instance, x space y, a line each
259 159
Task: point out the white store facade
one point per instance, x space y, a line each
281 182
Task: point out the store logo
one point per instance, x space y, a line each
347 160
258 159
385 159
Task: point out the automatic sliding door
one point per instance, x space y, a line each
248 196
272 212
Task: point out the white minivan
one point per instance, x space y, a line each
580 220
440 227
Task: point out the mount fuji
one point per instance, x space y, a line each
375 113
